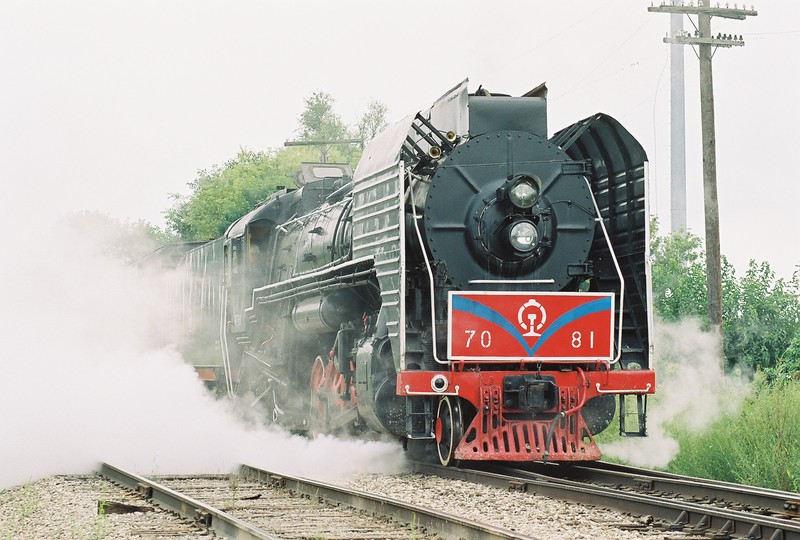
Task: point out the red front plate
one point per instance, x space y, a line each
503 326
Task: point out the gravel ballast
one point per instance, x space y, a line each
67 507
525 513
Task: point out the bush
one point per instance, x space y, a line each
788 368
761 312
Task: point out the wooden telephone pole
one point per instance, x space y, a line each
707 44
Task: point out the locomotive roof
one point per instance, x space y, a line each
238 227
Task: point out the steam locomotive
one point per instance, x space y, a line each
474 288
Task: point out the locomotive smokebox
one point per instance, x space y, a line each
529 211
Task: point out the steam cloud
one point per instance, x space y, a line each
692 391
83 381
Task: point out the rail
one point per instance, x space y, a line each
674 514
446 525
220 522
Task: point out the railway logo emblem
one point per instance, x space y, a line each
512 325
531 317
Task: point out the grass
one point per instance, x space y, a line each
233 486
27 502
759 446
100 527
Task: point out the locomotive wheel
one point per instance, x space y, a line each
449 429
318 407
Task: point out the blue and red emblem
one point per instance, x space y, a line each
507 326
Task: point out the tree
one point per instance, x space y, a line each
679 283
319 122
761 314
763 318
221 195
372 122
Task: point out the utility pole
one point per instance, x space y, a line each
677 136
707 45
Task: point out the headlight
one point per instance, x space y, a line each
524 192
523 236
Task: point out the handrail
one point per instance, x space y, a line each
431 392
428 268
630 391
599 219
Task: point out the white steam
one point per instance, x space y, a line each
692 391
83 381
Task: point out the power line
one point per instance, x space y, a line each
551 38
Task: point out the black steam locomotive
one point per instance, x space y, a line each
474 287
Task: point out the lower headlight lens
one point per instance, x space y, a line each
523 236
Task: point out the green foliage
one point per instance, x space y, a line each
318 121
706 454
372 122
763 319
761 314
221 195
787 369
758 447
679 276
761 329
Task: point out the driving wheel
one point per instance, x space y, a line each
449 429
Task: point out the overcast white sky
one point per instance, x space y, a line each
113 105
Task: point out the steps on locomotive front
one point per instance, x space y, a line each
419 418
416 351
633 313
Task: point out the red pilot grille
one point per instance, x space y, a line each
563 437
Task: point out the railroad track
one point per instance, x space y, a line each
683 505
258 504
763 501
